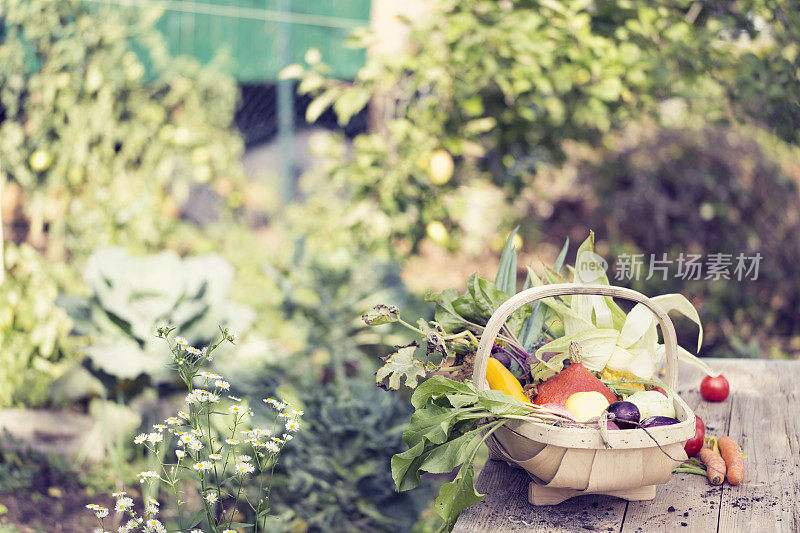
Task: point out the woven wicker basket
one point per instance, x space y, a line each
567 462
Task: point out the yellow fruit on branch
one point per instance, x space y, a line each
440 167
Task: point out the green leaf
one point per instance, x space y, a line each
608 89
446 457
196 518
401 365
501 404
679 303
438 386
506 279
320 104
696 362
597 344
432 423
456 496
445 313
383 314
562 256
351 102
405 467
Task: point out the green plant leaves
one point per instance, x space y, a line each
456 496
401 365
383 314
506 279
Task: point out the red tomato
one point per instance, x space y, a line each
694 444
714 389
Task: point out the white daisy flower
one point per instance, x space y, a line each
215 456
123 504
222 384
101 512
245 458
291 425
118 494
211 497
195 445
232 442
171 421
181 341
146 475
244 468
159 427
140 438
298 412
155 438
234 398
272 446
180 454
183 415
155 526
202 466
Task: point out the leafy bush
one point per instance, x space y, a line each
336 476
490 92
103 133
34 332
131 296
706 190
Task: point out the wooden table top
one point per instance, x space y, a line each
762 414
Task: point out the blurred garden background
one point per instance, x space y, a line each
278 167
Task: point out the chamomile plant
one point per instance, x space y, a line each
191 451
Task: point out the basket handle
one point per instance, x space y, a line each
517 301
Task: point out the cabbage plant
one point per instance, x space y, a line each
131 296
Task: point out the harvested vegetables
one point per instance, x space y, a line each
715 465
530 358
575 378
734 459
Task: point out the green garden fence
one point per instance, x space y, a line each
262 36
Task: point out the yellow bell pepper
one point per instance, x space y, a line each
500 378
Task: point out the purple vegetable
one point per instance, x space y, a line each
624 414
655 421
503 358
611 425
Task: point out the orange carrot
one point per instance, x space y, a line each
734 460
715 465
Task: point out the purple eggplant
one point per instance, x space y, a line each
624 414
655 421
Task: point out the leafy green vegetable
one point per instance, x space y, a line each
133 295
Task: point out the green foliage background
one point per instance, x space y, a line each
560 114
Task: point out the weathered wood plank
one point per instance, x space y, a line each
506 507
688 502
764 422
